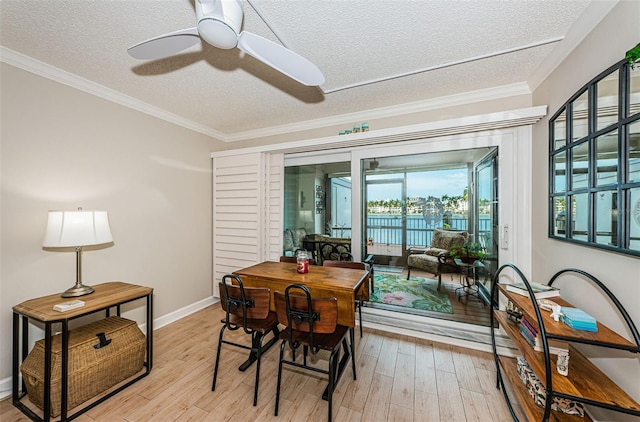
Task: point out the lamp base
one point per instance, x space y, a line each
78 290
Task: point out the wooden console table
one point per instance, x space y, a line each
105 297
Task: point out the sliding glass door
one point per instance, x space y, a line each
385 216
402 198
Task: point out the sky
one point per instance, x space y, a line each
424 184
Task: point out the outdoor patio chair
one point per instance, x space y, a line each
436 258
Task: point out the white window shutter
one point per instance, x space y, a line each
275 201
247 211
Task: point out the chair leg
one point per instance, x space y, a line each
353 352
215 371
332 376
279 377
359 307
259 338
408 272
305 352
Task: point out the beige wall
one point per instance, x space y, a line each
63 148
605 46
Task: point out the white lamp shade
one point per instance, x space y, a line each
77 228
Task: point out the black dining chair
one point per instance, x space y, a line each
246 308
313 324
293 259
362 295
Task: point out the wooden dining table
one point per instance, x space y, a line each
341 283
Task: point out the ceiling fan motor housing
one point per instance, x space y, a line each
219 29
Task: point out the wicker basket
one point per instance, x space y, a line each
91 370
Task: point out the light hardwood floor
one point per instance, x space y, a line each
399 379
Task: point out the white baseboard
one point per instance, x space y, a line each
183 312
5 388
5 384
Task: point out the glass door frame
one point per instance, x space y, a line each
493 249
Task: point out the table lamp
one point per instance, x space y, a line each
75 229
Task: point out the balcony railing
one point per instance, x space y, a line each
387 229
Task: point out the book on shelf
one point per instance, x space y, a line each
556 347
530 333
533 328
578 319
540 291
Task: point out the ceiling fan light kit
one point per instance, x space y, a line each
221 33
219 23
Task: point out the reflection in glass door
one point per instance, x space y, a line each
385 217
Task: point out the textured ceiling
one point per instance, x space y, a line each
373 53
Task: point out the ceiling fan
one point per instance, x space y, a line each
219 23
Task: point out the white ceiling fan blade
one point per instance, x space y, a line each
165 45
281 58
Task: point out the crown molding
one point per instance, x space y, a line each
55 74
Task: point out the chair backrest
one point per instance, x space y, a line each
345 264
335 251
302 313
369 261
244 302
363 292
445 239
293 259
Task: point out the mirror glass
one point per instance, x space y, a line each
560 172
634 239
580 216
580 166
606 213
634 152
607 158
607 101
560 131
579 123
560 216
634 90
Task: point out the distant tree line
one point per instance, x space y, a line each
453 204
